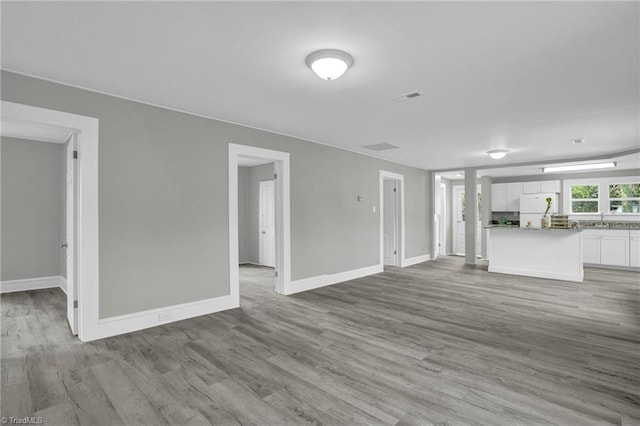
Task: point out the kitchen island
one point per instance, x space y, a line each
535 252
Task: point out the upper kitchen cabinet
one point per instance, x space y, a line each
505 197
541 187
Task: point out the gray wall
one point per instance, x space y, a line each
249 209
32 209
163 204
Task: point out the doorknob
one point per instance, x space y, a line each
264 232
64 245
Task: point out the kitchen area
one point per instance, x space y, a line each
547 225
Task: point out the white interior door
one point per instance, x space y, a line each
442 222
390 222
267 223
72 309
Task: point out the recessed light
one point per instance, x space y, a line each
497 154
574 167
460 174
577 141
329 64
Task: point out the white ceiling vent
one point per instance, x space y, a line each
407 96
381 146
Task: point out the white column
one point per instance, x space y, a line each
471 215
485 182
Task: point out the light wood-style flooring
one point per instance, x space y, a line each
436 343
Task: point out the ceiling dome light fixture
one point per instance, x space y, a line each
497 154
329 64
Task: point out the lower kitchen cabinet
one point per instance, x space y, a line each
610 247
634 249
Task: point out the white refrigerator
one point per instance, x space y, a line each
533 206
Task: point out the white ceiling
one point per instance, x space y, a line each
525 76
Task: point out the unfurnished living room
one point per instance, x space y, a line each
323 213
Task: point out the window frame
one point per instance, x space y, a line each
622 199
596 200
603 197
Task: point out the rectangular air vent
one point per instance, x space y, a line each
407 96
381 146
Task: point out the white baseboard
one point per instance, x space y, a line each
122 324
33 284
579 277
415 260
311 283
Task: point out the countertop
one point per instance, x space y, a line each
517 228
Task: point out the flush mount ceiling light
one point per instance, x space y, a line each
577 141
329 64
497 154
574 167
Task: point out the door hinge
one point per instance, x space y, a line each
75 304
75 155
276 273
394 190
275 176
395 252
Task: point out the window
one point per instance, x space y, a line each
624 198
584 198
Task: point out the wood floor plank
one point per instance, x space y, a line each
432 344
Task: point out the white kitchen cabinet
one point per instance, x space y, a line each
634 249
550 186
541 187
531 187
514 191
614 250
499 197
606 247
505 197
590 248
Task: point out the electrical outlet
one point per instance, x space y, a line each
374 209
165 316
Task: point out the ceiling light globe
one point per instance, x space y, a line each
497 154
329 64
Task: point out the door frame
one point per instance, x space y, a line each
87 260
385 175
261 185
282 207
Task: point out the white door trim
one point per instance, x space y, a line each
400 179
87 205
283 225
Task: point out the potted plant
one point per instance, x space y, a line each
545 219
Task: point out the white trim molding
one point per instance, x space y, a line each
283 221
87 278
415 260
311 283
121 324
33 284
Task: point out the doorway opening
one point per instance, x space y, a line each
391 219
459 213
259 228
83 305
39 211
256 228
